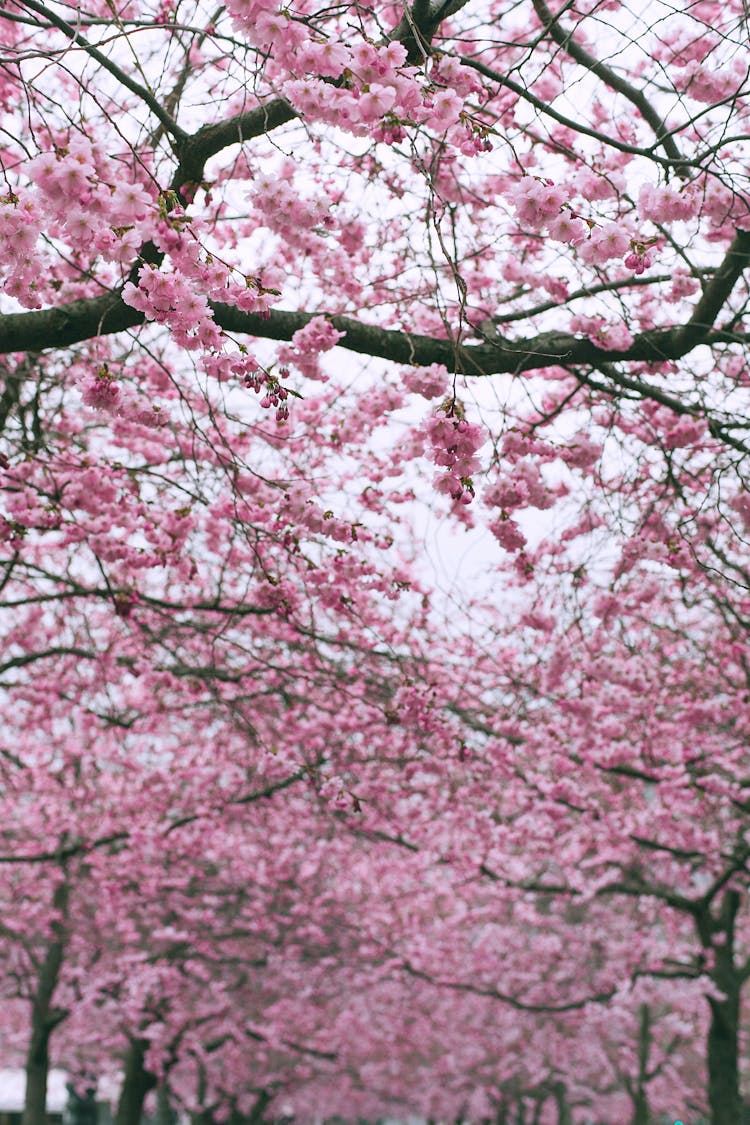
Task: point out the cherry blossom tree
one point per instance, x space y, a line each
273 279
619 734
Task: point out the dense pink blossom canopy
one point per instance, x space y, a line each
296 818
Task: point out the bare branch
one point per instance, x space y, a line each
125 80
610 77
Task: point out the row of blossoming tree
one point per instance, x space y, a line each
288 824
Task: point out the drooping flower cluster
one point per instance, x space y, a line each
21 222
452 444
101 391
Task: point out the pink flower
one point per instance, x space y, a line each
582 452
605 243
444 111
508 534
317 336
129 202
666 205
429 382
565 228
710 86
328 60
536 202
376 102
100 391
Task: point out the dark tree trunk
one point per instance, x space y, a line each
723 1033
165 1114
564 1114
639 1095
37 1070
44 1019
137 1082
258 1111
256 1114
641 1115
723 1063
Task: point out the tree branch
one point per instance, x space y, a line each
716 292
99 316
568 122
211 139
32 657
125 80
419 25
512 1001
610 77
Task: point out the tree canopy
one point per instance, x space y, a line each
293 819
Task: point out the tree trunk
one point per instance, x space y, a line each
261 1105
255 1116
641 1114
44 1019
165 1114
564 1114
723 1033
723 1064
137 1082
37 1070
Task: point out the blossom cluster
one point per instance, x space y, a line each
429 382
708 85
309 343
520 486
544 206
100 391
20 225
664 204
83 197
169 298
363 87
610 336
452 443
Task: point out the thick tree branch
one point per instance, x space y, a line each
420 23
99 316
211 139
32 657
716 292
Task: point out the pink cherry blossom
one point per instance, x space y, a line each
362 758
